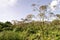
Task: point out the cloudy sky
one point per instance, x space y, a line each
17 9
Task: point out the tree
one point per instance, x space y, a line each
43 14
29 17
42 11
7 25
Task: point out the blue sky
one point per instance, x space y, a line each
17 9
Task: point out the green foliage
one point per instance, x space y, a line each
9 35
34 30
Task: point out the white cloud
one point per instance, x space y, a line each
54 4
7 11
5 3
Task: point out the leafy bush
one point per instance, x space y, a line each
9 35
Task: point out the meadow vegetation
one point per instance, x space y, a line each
34 30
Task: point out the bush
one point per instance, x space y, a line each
9 35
